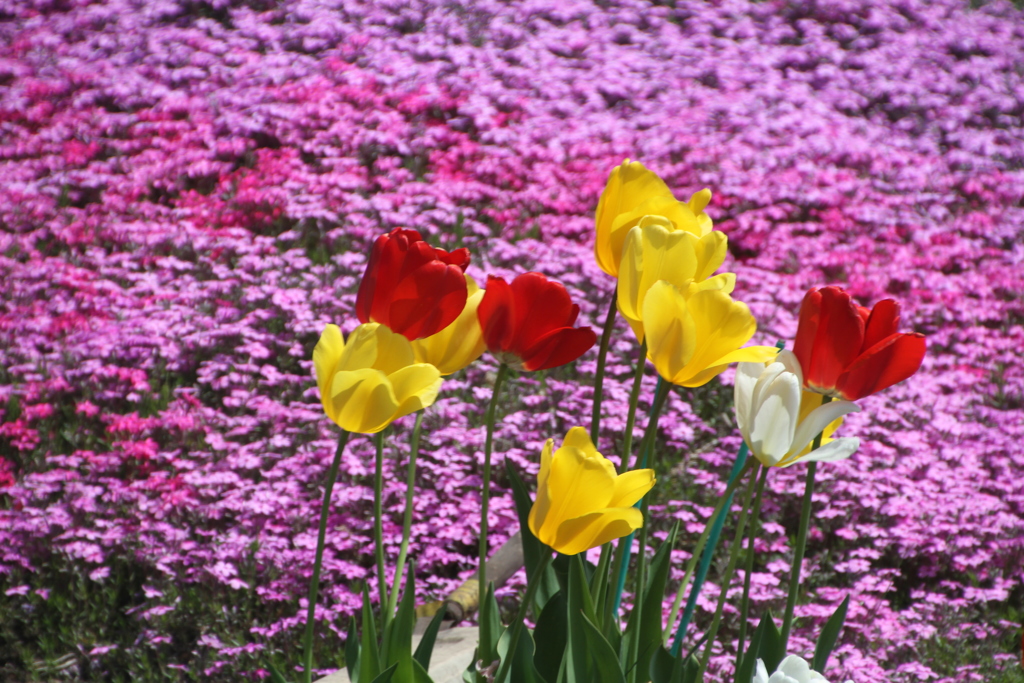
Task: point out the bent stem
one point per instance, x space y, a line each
710 535
524 605
801 539
755 513
410 484
485 499
378 528
602 357
314 582
734 553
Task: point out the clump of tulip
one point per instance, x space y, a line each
423 318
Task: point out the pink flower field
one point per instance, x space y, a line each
190 189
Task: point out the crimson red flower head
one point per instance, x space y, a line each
529 323
849 351
411 287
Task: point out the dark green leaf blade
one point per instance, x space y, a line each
829 635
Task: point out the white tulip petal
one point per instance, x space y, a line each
791 363
771 437
747 375
837 449
820 418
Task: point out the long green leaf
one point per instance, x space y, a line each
602 663
523 669
276 676
369 656
385 676
399 647
352 652
829 635
551 635
649 630
426 647
490 628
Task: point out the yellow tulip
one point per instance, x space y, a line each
631 193
459 344
581 502
372 380
653 252
693 333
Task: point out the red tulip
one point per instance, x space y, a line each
411 287
849 351
529 324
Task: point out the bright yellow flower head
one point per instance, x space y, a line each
653 252
581 502
633 192
693 333
459 344
372 380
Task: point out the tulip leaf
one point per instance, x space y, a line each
665 668
550 634
369 657
648 631
602 663
490 628
419 673
276 676
766 644
426 647
829 635
533 549
580 607
352 652
523 669
398 642
385 676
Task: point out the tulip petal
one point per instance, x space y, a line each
699 200
595 528
542 504
710 251
747 375
392 350
775 415
361 347
459 344
818 420
559 347
362 401
427 299
497 314
629 185
631 486
415 387
577 485
670 330
889 361
883 322
791 363
326 355
578 438
837 449
838 342
722 326
630 275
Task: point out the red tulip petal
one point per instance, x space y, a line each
459 257
496 313
883 323
838 342
559 347
543 305
368 285
891 360
427 300
807 330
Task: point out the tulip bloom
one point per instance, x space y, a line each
653 252
850 351
459 344
529 324
633 192
777 424
581 502
693 334
373 379
413 288
792 669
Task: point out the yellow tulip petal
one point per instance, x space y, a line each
415 387
699 200
629 185
361 348
722 325
362 401
630 272
631 487
577 437
596 528
671 334
541 506
709 252
393 351
325 359
459 344
577 485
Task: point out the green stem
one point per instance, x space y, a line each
801 540
627 448
410 488
314 582
755 514
734 553
378 528
660 395
524 605
481 572
600 588
602 357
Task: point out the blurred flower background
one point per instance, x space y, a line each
190 192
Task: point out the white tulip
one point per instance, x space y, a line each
767 401
792 669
